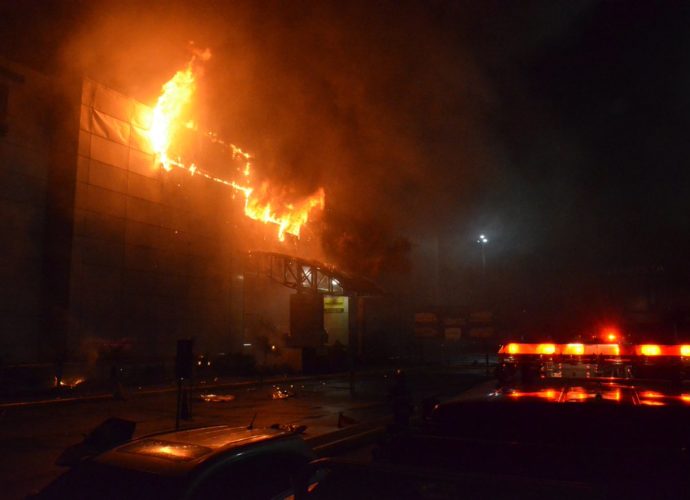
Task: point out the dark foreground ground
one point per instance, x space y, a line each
32 437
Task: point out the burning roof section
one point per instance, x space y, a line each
263 202
165 131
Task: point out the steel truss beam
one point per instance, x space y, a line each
304 275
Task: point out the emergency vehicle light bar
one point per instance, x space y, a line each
643 350
662 350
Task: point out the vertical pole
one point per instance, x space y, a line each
351 341
190 388
178 407
437 274
360 325
244 310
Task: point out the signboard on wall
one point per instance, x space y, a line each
334 305
426 325
337 319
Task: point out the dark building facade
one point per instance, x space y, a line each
39 124
104 251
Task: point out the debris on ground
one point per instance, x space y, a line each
282 392
293 428
216 398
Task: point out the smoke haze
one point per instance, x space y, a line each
378 103
554 127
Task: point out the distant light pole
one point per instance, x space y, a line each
483 240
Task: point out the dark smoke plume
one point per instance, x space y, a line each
380 103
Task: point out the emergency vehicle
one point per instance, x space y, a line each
586 419
526 362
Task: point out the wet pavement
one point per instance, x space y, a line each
31 438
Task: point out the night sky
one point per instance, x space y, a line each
556 128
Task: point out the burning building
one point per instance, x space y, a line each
118 244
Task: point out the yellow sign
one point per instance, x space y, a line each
332 305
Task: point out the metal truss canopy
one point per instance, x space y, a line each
304 275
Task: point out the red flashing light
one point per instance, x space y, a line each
610 334
610 350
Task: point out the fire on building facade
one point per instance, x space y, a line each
109 253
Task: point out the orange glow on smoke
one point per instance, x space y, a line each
266 203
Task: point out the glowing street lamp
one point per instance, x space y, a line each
483 241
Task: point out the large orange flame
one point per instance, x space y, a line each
177 93
265 204
290 217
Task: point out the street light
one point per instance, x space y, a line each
483 240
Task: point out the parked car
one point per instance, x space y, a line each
204 463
